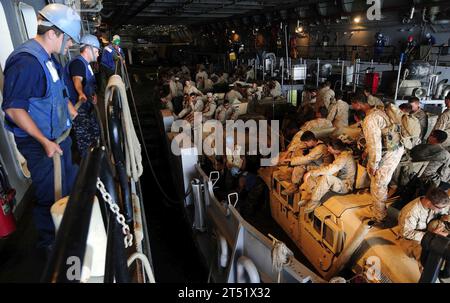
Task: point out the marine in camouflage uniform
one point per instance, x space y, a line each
338 113
338 177
415 218
443 122
420 115
319 123
317 156
324 97
383 153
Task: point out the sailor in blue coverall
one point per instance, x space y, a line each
110 58
81 83
38 110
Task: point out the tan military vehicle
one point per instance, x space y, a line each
339 234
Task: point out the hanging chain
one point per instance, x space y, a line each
128 239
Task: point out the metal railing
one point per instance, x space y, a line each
347 52
73 232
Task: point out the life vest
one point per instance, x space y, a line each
50 113
109 55
89 78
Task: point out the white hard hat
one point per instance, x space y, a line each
63 17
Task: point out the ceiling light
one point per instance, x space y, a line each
299 28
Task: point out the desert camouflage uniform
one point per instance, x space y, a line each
384 163
443 123
338 177
375 102
413 222
315 158
191 108
233 95
209 111
324 97
423 120
338 113
223 114
319 123
189 89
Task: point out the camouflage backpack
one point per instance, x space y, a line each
407 127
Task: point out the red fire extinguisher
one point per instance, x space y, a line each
7 194
7 220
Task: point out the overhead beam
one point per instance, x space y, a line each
140 8
184 16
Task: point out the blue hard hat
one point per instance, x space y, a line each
64 18
91 40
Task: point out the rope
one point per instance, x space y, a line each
57 161
133 156
155 177
280 255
